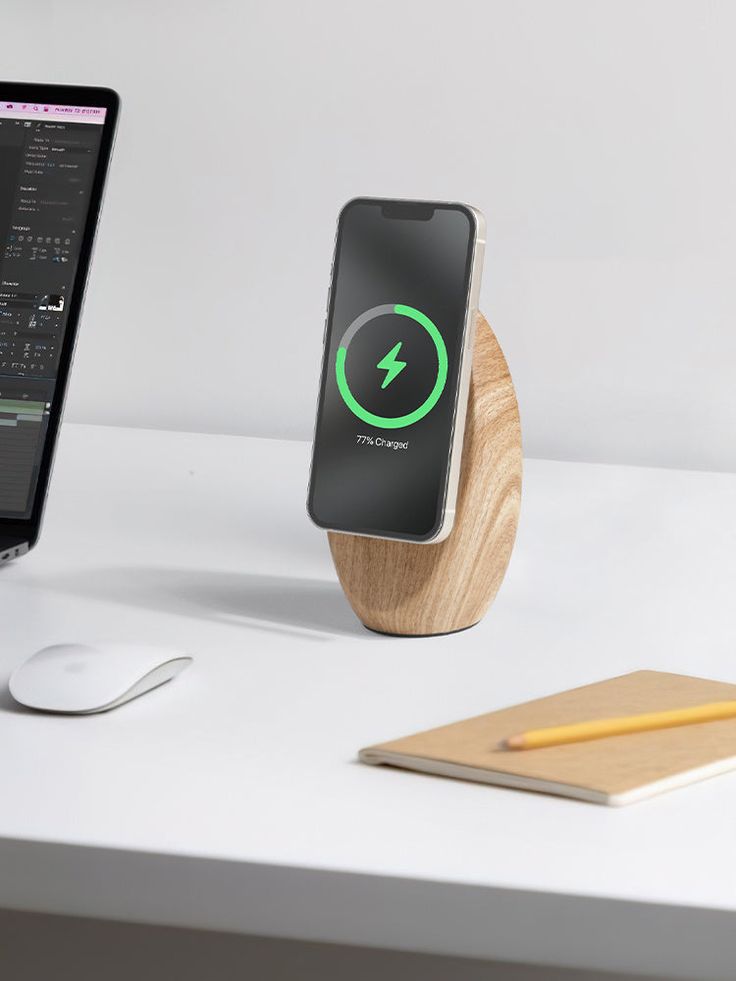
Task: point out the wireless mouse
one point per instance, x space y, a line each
85 678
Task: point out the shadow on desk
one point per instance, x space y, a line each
276 603
38 947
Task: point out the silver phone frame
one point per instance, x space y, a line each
457 435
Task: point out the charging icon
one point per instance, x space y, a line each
390 365
393 367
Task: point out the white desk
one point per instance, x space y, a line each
231 799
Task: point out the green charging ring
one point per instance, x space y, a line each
392 422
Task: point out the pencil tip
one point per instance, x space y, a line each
515 742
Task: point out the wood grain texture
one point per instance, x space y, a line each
417 590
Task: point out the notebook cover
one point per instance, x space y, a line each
615 770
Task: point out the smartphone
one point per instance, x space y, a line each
396 368
55 146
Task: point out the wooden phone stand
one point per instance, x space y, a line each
419 590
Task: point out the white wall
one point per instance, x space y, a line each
598 137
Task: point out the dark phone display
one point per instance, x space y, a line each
392 361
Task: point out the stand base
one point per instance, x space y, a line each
443 633
409 590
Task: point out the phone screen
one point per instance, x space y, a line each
393 347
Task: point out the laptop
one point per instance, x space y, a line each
55 147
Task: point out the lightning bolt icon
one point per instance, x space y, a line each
390 365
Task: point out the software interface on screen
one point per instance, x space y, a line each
48 155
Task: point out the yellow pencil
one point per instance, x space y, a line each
600 728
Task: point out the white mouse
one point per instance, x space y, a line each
85 678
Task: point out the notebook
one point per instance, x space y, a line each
616 770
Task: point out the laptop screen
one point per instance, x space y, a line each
48 158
